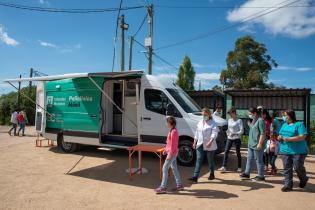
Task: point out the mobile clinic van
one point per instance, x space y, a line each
115 109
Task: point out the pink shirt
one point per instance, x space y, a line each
171 147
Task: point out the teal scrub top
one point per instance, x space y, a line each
278 126
293 148
256 129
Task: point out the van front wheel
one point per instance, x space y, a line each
67 147
186 154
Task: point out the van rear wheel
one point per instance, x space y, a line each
67 147
186 154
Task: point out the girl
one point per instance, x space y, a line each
268 122
205 144
171 149
293 148
234 133
256 144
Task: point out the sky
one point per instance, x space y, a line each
59 43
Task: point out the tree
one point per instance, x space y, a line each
186 75
248 65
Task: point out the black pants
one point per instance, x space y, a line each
14 126
296 162
228 147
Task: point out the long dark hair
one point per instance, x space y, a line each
291 114
269 119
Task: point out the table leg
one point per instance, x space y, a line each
130 164
140 162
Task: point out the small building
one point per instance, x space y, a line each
209 98
277 100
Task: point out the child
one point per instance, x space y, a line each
171 149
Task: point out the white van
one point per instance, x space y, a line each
115 109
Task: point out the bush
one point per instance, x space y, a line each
8 104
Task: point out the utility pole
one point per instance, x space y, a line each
123 27
130 52
18 95
30 83
149 39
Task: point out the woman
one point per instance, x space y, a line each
256 144
205 144
22 122
293 148
171 150
234 133
268 121
273 143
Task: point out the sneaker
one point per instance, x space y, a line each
239 170
178 188
193 179
286 189
211 177
258 179
160 190
222 169
244 176
303 183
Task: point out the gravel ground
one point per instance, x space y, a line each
46 178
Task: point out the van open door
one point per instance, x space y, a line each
40 118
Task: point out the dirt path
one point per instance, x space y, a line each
38 178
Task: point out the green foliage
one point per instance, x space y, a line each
8 104
248 65
186 75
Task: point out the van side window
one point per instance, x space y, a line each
155 101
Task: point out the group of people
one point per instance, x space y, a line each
267 139
18 119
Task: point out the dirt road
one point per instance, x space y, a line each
44 178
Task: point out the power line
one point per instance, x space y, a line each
227 7
115 38
60 10
227 27
145 17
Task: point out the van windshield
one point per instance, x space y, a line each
184 100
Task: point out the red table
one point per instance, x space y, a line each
158 150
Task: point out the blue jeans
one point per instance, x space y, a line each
296 161
228 146
173 163
257 155
200 156
14 126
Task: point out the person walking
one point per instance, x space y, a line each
256 144
22 119
268 121
205 144
14 122
171 150
234 133
293 148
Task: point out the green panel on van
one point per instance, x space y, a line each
74 104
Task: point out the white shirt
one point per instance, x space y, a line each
14 118
235 129
204 132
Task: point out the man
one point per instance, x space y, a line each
218 111
14 122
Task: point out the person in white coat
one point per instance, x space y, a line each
205 144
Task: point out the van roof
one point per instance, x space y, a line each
126 74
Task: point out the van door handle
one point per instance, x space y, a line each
93 115
146 118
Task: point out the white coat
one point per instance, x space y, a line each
205 131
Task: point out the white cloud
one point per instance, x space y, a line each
297 22
47 44
44 2
207 76
4 37
292 68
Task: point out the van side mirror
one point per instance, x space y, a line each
170 110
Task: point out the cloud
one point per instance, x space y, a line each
4 37
296 22
292 68
44 2
47 44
